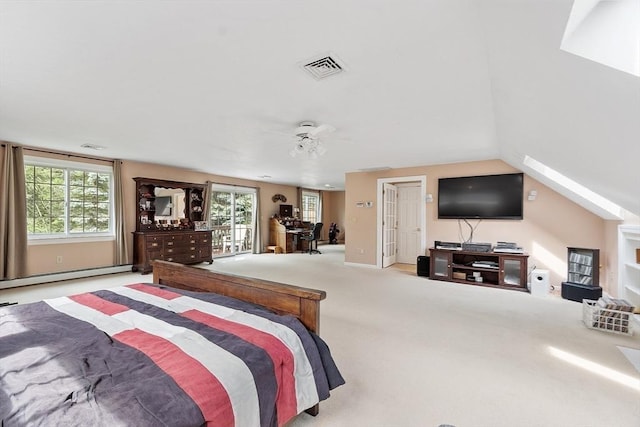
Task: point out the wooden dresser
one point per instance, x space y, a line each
185 247
167 231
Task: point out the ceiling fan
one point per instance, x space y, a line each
307 134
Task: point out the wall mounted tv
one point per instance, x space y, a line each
481 197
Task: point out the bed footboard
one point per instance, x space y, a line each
300 302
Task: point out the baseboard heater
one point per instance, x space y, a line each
65 275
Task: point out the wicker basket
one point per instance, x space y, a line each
605 319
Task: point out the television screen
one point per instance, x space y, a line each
163 206
482 197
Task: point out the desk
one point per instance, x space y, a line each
287 238
298 244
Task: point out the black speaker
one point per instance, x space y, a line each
578 292
423 266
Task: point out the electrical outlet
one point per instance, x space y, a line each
59 259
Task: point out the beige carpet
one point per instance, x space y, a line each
416 352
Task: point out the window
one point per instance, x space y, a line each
310 206
68 199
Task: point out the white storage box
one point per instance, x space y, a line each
539 285
606 319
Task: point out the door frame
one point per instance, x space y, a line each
234 190
387 203
422 179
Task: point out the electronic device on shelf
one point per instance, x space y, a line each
509 250
476 247
453 246
484 264
508 247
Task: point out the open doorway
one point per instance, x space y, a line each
401 220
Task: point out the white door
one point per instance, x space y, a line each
408 213
389 224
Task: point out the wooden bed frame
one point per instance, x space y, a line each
302 303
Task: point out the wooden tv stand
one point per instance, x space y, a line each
507 271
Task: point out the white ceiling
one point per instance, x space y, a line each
216 86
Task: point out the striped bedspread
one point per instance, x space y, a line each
147 355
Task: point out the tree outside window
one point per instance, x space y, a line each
66 201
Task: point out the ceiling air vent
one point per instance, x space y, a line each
324 66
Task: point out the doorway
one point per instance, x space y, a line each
232 219
401 220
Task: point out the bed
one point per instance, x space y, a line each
193 348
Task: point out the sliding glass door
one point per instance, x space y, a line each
232 219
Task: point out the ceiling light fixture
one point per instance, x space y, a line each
309 145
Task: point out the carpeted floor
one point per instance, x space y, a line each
416 352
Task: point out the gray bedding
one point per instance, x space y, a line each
148 355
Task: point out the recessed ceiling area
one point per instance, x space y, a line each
218 87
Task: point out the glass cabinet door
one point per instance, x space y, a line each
441 261
511 272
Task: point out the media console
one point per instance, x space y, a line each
497 270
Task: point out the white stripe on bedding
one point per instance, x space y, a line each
306 391
231 371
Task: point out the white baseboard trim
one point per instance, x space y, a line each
67 275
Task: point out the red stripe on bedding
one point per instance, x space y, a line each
107 307
152 290
195 379
283 360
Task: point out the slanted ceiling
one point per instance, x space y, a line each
219 86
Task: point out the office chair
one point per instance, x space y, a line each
313 236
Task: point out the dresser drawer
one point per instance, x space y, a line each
179 246
204 239
182 248
153 242
172 240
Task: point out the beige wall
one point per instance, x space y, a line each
332 211
551 223
43 258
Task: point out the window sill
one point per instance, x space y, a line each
68 240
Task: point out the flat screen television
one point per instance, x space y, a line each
481 197
164 205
